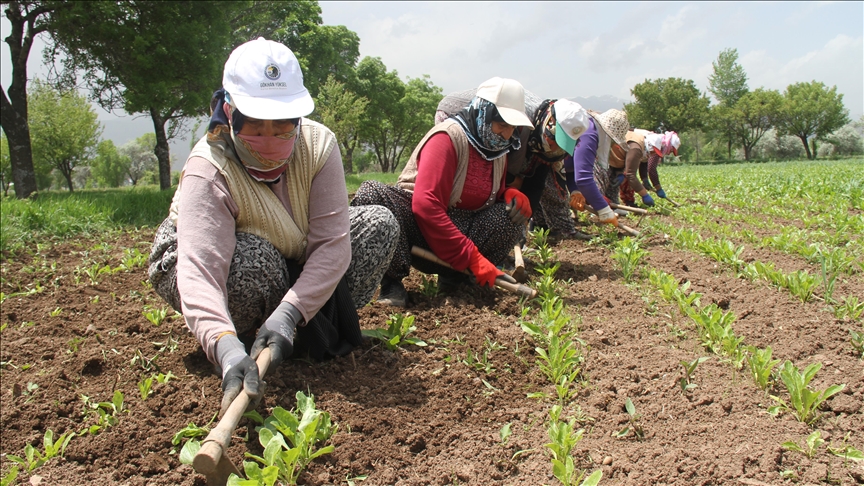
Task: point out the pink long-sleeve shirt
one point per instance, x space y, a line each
206 241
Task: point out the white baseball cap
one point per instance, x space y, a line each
264 81
508 96
571 121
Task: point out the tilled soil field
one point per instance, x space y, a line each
421 415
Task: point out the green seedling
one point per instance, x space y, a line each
106 411
163 378
147 364
504 434
75 344
304 428
479 362
145 387
628 255
34 458
428 286
686 382
849 307
564 437
132 259
812 443
542 249
633 422
156 316
94 272
562 359
804 401
857 340
56 312
847 452
10 477
191 433
761 365
396 334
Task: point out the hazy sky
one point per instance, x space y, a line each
563 49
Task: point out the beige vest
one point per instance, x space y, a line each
260 211
618 155
460 143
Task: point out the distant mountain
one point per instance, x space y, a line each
600 103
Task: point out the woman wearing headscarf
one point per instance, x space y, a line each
588 169
260 236
653 147
536 169
451 197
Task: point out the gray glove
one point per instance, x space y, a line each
238 372
277 333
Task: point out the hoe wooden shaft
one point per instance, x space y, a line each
499 282
628 208
624 227
210 459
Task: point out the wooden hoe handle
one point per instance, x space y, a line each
624 227
207 459
628 208
499 282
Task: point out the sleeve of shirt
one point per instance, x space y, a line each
436 170
205 247
583 161
653 162
328 250
643 172
631 166
569 173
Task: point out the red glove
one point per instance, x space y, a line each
518 206
577 201
483 270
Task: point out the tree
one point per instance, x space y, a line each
321 50
846 141
63 127
28 20
811 111
5 165
419 104
141 157
342 112
673 104
110 167
384 90
728 83
164 59
753 115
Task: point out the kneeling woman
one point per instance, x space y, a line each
451 197
260 235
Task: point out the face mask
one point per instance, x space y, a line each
269 151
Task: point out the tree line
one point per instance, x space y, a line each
165 59
807 111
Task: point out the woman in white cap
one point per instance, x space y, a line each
451 197
260 235
587 170
536 169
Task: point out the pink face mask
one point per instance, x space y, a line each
270 152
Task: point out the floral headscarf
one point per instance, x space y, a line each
476 121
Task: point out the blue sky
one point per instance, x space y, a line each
569 49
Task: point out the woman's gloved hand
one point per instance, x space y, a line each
277 333
577 201
661 193
484 271
606 215
239 371
518 207
648 200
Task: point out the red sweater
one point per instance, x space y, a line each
436 171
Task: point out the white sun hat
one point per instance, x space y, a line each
508 96
571 121
264 81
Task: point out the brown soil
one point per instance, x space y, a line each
420 415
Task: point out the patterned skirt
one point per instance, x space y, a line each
490 229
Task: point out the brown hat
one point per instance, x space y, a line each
614 123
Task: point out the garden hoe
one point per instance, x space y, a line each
499 282
211 460
519 274
641 212
627 229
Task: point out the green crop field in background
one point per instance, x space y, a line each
796 188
